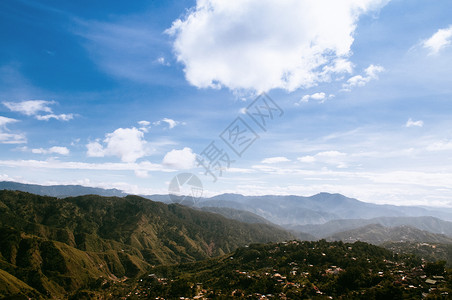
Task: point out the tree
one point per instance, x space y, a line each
436 268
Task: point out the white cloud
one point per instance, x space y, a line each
316 96
59 165
60 117
59 150
95 149
331 154
411 123
340 65
144 123
170 122
326 157
161 60
9 138
30 107
321 97
371 73
441 39
126 143
273 160
440 146
180 159
12 138
34 107
52 150
307 159
6 120
141 173
264 44
373 70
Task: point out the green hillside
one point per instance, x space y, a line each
298 270
61 246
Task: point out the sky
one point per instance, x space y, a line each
253 96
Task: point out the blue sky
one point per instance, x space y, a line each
127 94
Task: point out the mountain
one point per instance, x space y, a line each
431 224
287 211
235 214
61 246
59 191
378 234
316 209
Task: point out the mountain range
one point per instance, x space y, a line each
309 218
317 209
55 246
52 247
282 210
59 191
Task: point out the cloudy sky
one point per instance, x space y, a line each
114 94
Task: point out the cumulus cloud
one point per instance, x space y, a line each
126 143
180 159
95 149
321 97
6 137
441 39
370 73
263 44
35 108
411 123
274 160
52 150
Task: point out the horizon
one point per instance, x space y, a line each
217 195
348 98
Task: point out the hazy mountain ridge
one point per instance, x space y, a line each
431 224
58 246
378 234
60 190
316 209
281 210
